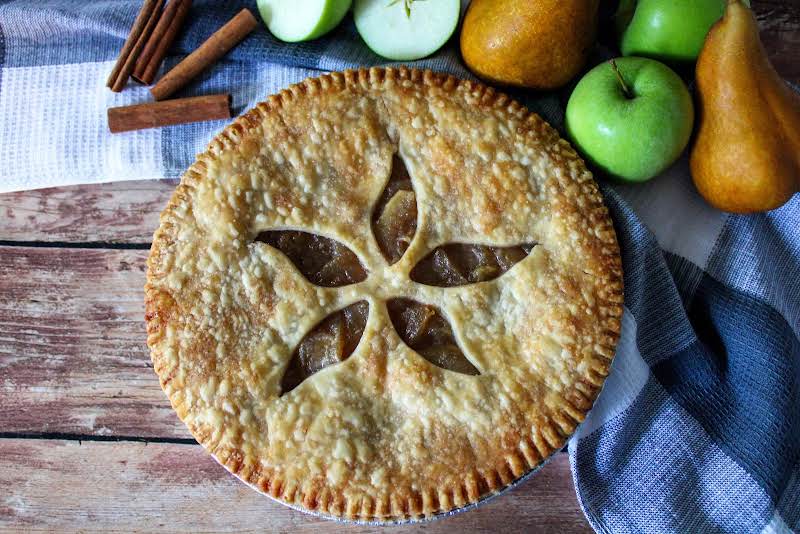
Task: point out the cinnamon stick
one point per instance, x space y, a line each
169 112
209 52
130 62
160 40
133 36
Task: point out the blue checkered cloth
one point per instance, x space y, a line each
698 427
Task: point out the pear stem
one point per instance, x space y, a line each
621 80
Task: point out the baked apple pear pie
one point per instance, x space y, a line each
384 294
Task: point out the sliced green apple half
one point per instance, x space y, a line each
302 20
404 30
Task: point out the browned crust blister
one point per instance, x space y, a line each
579 191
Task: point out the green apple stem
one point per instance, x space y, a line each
625 89
406 5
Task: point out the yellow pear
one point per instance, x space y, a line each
746 157
539 44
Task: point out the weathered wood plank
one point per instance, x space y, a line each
59 486
73 357
122 212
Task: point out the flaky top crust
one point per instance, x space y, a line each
384 435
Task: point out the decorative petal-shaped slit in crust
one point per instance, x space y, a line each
323 261
423 328
332 341
394 220
459 264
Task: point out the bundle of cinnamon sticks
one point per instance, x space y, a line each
151 35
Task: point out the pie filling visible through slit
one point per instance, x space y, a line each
331 341
384 294
394 219
424 329
323 261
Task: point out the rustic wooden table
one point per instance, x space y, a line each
87 439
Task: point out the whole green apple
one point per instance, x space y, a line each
668 30
302 20
631 117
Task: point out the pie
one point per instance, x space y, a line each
384 294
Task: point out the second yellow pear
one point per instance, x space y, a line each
538 44
746 157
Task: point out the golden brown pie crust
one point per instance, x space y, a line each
384 435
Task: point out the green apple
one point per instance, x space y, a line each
404 30
302 20
631 118
668 30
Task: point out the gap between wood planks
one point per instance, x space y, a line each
64 436
70 244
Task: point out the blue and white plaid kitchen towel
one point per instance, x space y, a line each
698 427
